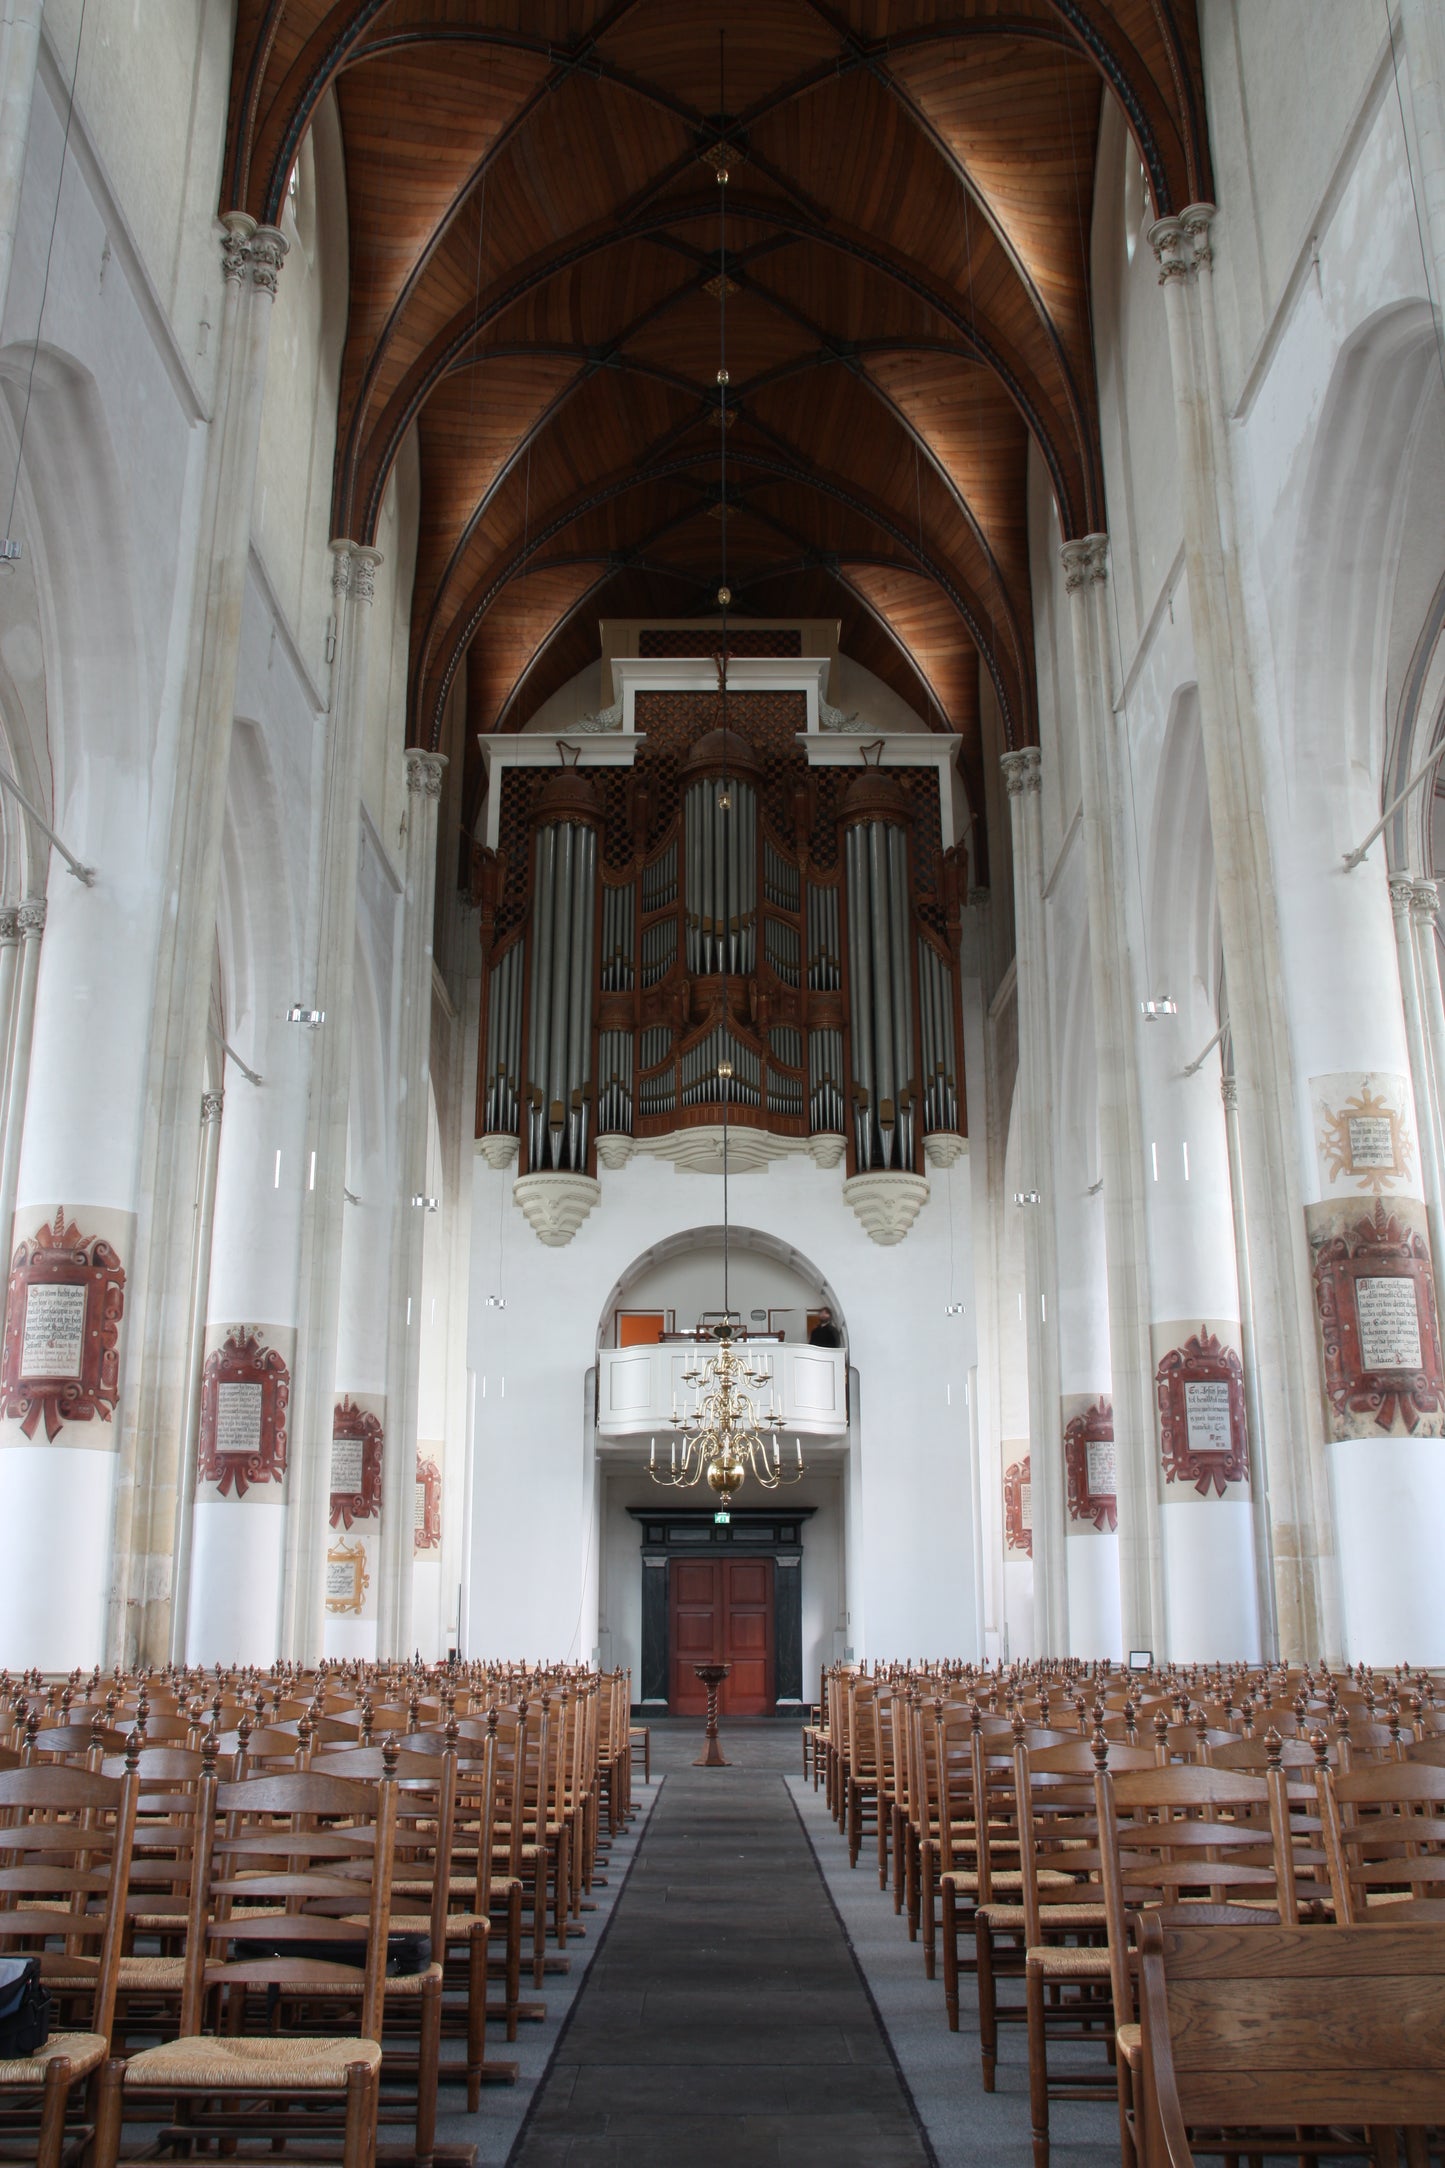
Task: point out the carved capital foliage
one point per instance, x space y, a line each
1402 894
30 917
424 772
252 254
9 927
1022 771
211 1106
1085 561
353 570
1182 246
1425 899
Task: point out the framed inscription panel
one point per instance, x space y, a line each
347 1579
1018 1507
1200 1390
427 1513
245 1392
62 1329
1091 1467
1379 1330
357 1444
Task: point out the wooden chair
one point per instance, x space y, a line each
283 1861
1214 1841
1384 1839
1260 2035
65 1846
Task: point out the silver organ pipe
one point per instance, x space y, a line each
720 847
504 1043
563 977
614 1083
825 1083
618 964
940 1084
825 973
879 954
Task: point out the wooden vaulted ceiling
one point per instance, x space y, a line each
535 285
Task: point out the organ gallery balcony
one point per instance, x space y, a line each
638 1386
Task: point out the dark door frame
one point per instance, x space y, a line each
694 1532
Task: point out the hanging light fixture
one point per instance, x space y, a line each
725 1434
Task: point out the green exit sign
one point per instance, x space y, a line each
722 1520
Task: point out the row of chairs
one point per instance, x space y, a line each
262 1934
1034 1820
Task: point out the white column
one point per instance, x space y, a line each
1424 915
1258 1473
1402 903
212 1105
1284 1323
324 1202
19 59
146 1498
29 920
1036 1176
1121 1146
424 788
1424 27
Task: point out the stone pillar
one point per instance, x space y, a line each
314 1407
19 59
1402 905
1424 916
146 1498
1284 1326
212 1106
29 922
1424 27
1258 1473
1036 1179
424 788
1121 1143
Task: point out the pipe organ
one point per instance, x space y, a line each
720 928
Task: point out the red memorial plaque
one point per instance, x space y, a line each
245 1391
1201 1414
62 1329
1378 1322
1018 1507
427 1526
357 1444
1090 1467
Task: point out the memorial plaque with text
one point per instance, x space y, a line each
1379 1327
62 1329
427 1521
1018 1507
357 1445
245 1393
1091 1468
347 1580
1200 1396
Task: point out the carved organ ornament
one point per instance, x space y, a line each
720 925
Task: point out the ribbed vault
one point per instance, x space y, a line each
535 287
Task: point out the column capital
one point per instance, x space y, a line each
353 571
1182 246
211 1105
1229 1092
1022 771
1402 893
1085 561
424 771
252 253
1424 900
30 917
9 927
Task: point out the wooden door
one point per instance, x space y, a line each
721 1612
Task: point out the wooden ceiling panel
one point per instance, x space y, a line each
535 225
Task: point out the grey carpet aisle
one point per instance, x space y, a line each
723 2019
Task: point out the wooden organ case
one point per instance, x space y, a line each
720 925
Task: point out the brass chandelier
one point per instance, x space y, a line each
725 1435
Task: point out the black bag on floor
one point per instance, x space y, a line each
25 2008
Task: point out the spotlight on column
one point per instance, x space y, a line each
425 1204
496 1302
1027 1196
1161 1005
10 554
953 1309
296 1014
